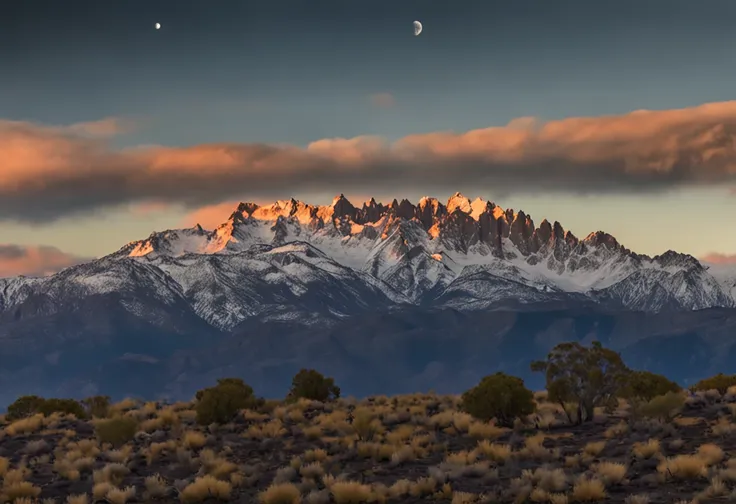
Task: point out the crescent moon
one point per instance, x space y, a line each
417 28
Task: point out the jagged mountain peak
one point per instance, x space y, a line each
372 210
673 259
461 225
458 202
422 248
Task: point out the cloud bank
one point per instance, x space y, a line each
34 261
50 172
383 100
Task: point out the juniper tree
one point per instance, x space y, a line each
587 377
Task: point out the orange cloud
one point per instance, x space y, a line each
383 100
34 261
637 152
717 258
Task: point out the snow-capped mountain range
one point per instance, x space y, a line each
292 260
386 298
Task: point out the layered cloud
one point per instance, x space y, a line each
384 100
34 261
49 172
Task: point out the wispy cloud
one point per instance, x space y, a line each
104 128
717 258
34 261
383 100
47 173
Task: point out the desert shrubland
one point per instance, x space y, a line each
581 440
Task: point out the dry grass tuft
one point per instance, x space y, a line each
617 430
204 488
594 449
723 427
545 479
588 490
486 430
710 453
14 490
683 467
112 473
120 496
156 487
496 452
281 493
350 492
25 425
646 450
193 439
611 472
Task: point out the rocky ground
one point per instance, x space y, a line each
411 449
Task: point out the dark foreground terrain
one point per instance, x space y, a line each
415 448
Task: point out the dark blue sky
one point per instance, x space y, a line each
299 70
295 71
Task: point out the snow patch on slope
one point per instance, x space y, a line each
725 275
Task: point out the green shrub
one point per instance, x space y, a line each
499 396
311 384
66 406
720 382
25 406
220 404
117 431
645 386
97 406
664 407
235 382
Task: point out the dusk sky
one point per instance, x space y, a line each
110 129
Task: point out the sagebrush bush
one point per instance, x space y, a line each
310 384
117 431
220 404
499 396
